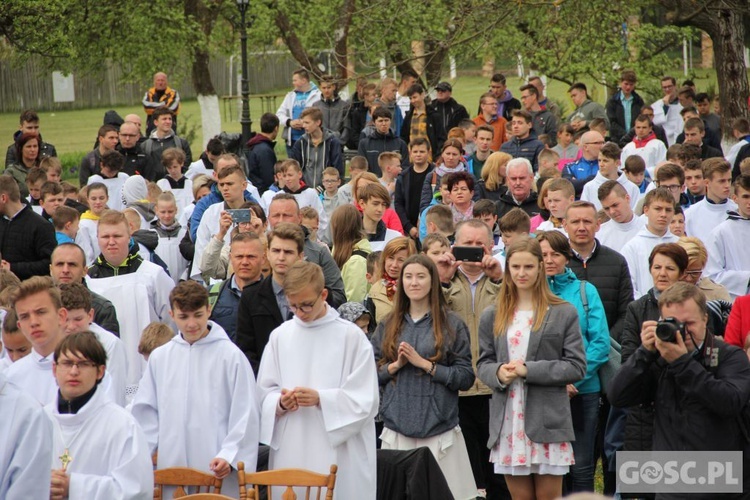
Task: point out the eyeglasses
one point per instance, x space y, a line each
694 274
672 187
68 365
305 308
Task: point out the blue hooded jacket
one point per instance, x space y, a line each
594 328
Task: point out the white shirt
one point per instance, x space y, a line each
615 234
183 196
114 188
671 121
652 153
33 374
26 438
728 256
341 429
704 217
141 297
117 364
197 168
110 458
198 402
591 189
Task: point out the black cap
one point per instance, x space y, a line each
444 87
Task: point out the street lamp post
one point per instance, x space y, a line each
245 120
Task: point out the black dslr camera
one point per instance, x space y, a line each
666 330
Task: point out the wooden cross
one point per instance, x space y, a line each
65 458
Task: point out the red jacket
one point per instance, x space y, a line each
738 325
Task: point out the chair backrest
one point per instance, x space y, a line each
312 482
207 496
182 478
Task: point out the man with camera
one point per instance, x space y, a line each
699 386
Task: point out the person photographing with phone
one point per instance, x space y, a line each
470 278
698 385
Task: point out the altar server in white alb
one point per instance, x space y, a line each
42 320
138 289
319 390
25 444
99 451
707 214
170 233
76 300
728 255
197 402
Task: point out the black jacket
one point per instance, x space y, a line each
136 162
103 269
261 159
373 143
639 424
528 148
257 316
607 270
357 119
710 152
27 242
710 138
435 132
481 188
90 165
401 198
699 400
616 114
45 150
450 112
506 203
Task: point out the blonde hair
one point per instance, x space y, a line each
155 335
303 274
695 249
507 299
493 180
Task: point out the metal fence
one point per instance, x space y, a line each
30 85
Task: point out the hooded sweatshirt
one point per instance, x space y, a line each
261 159
315 159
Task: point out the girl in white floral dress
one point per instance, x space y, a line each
530 349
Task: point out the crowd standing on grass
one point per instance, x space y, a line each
470 287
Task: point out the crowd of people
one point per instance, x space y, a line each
472 287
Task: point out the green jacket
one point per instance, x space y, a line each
19 173
354 271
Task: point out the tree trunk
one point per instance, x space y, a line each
341 36
725 23
204 86
729 55
435 57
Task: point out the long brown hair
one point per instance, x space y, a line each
441 329
347 231
395 246
507 299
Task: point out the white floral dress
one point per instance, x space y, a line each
514 453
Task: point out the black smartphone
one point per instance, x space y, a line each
468 254
240 215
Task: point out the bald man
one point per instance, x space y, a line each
161 95
135 120
587 166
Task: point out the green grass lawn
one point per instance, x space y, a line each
73 132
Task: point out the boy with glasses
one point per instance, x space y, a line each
314 414
99 450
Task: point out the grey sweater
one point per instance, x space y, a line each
416 404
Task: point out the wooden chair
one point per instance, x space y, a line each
183 477
207 496
289 478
